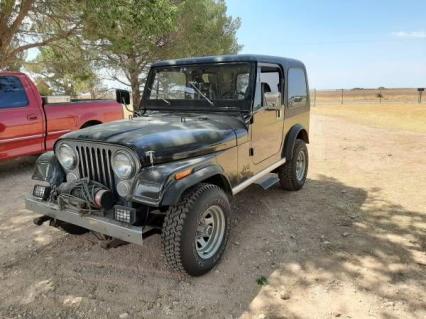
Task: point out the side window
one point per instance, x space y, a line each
270 86
297 92
12 94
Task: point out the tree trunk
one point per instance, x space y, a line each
9 30
136 90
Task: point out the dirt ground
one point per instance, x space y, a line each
351 244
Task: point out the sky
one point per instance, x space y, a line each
343 43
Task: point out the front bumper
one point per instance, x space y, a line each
106 226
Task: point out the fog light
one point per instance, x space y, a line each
71 177
125 214
41 191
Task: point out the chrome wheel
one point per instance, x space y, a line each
300 165
210 232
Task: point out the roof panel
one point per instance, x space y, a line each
285 62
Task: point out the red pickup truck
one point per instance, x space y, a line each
29 126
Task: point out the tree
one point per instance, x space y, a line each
26 24
67 67
134 33
203 28
42 87
126 34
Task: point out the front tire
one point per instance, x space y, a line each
293 173
196 230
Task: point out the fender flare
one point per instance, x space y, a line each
297 131
174 190
48 169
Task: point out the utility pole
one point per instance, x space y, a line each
315 97
420 90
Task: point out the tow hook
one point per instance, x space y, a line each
40 220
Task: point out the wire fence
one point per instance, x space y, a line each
367 96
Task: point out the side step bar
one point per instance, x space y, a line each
256 177
267 181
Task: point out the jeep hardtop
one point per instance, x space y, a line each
206 129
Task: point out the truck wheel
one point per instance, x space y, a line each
293 173
196 230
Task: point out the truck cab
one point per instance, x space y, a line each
30 126
206 129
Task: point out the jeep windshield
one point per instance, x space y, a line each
217 87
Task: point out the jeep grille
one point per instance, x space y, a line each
95 163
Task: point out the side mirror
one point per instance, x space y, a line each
122 96
272 101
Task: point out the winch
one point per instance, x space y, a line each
85 195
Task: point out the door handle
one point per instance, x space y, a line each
275 109
32 117
278 114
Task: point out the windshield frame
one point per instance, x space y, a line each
203 105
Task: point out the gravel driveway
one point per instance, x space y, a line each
351 244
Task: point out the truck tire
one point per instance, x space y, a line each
293 173
196 230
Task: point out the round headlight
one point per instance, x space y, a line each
66 156
123 165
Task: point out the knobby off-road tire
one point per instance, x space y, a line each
293 173
188 219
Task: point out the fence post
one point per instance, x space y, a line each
315 97
342 97
420 90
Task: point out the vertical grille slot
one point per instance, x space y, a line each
95 164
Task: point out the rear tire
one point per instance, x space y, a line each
293 173
196 230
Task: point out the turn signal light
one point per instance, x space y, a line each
183 174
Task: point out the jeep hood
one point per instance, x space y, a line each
170 136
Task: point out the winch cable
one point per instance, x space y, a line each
86 190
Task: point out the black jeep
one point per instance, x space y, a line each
206 129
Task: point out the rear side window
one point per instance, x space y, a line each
297 91
12 93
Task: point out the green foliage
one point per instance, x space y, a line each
262 281
67 68
77 39
203 28
27 24
43 87
131 34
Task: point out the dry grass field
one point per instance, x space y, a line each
399 108
350 244
359 96
411 117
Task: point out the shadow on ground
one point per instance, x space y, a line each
322 237
11 168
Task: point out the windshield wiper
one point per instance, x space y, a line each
201 93
160 98
167 101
